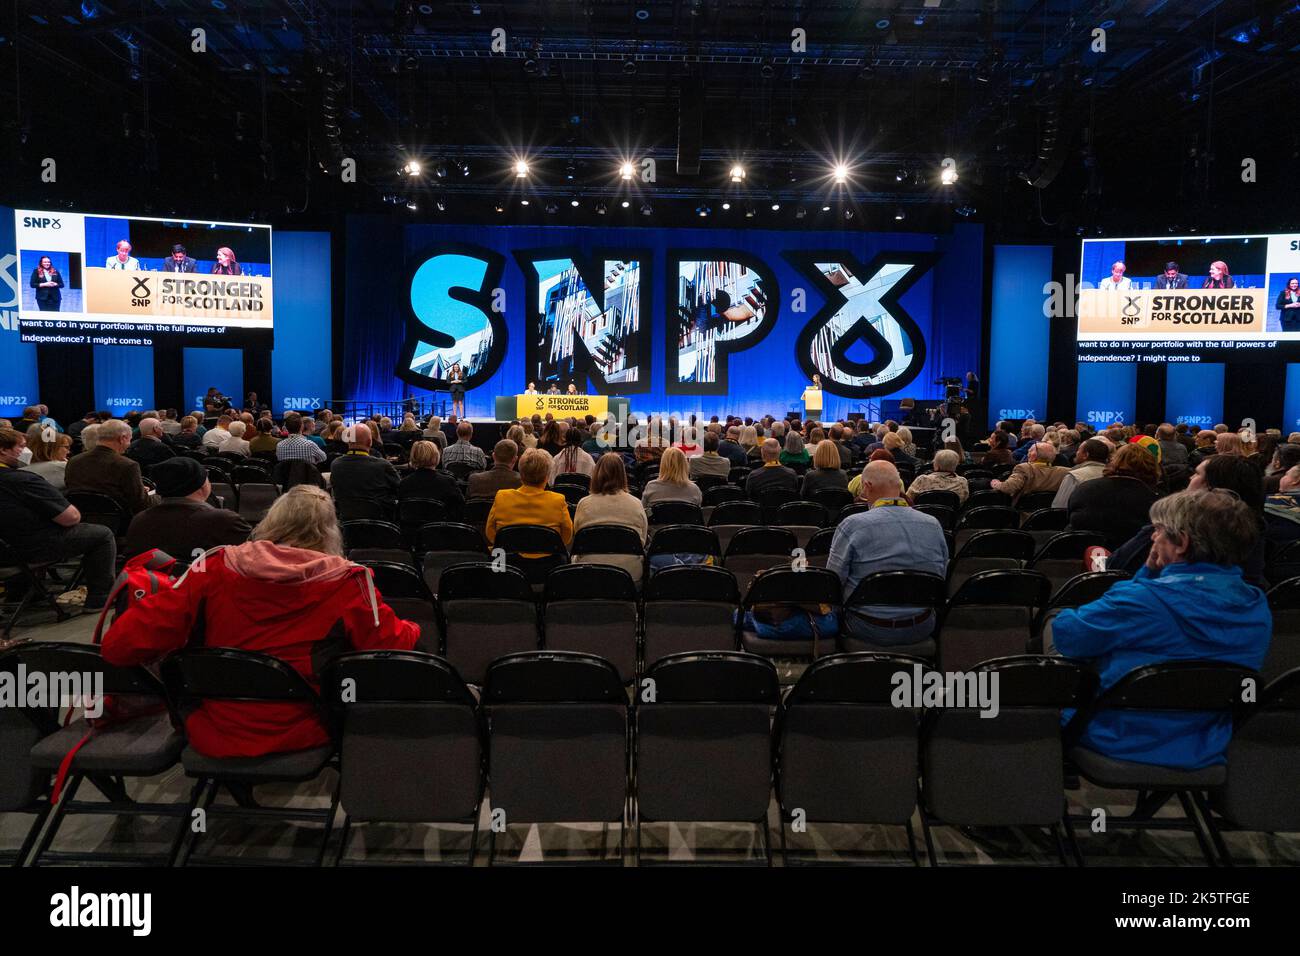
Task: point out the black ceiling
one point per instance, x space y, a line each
1149 134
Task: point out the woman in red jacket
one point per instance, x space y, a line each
282 593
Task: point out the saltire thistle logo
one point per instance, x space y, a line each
450 316
862 306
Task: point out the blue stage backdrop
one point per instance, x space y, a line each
123 378
204 368
738 327
1019 333
1107 393
301 362
1291 402
18 387
1194 394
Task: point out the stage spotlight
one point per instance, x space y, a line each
965 211
899 214
463 167
702 210
627 171
626 204
726 205
411 205
800 212
601 209
948 175
552 208
525 202
776 207
412 167
902 174
441 204
629 67
841 174
440 170
848 214
571 170
521 168
737 173
574 202
750 211
647 209
499 206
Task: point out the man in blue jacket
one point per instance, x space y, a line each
1189 602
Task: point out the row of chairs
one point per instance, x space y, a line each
709 738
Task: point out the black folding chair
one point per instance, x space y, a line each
573 494
592 609
573 478
1079 590
226 674
689 608
1284 649
698 543
255 499
404 590
485 614
447 544
803 518
1188 686
365 541
751 550
25 587
948 499
772 500
412 747
558 742
782 590
704 743
834 500
100 509
989 550
414 513
675 512
818 548
719 494
1035 501
990 615
992 752
893 589
615 545
1046 519
533 549
1061 556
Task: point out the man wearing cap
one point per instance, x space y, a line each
183 521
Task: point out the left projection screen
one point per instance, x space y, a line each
130 280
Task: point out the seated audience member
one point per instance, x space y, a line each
731 449
333 438
944 477
1228 443
358 476
463 450
896 445
170 425
281 593
1068 449
1030 434
296 446
425 480
216 436
1282 510
1117 503
673 483
794 452
891 536
1230 473
265 439
836 436
149 449
572 459
1188 602
750 443
610 503
1172 451
1089 463
826 471
50 459
1285 457
1036 473
183 521
90 418
188 436
502 474
39 524
772 475
433 432
309 433
710 461
999 452
531 503
105 469
236 443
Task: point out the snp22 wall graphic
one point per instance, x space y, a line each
587 317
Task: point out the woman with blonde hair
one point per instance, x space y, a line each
826 471
278 594
425 480
49 458
674 482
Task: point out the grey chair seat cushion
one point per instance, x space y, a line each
138 748
925 648
295 765
1126 775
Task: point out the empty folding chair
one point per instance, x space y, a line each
486 614
719 494
984 517
24 584
992 752
362 509
1061 556
949 499
414 513
818 548
1046 520
706 482
942 513
1191 687
1079 590
803 518
572 493
737 476
1262 792
255 472
24 787
681 544
573 478
728 518
801 601
476 512
921 593
533 549
844 752
446 544
610 544
255 499
411 747
374 541
592 609
772 500
689 608
834 500
461 470
1035 501
1283 563
224 496
986 498
403 589
754 549
1284 650
100 509
989 550
990 615
675 512
196 676
848 511
557 741
704 742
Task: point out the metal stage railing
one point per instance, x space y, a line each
422 406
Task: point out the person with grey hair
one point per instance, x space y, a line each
772 475
1036 473
944 477
150 448
106 470
795 454
1188 602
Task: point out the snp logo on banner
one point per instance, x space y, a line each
294 403
42 222
9 292
1015 413
1105 418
